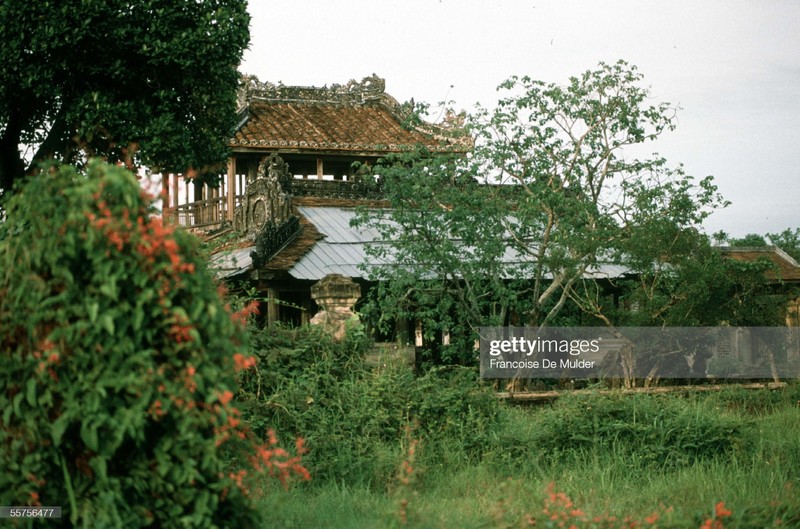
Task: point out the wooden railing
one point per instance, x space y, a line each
337 189
205 214
213 212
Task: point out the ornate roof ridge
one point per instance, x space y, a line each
369 89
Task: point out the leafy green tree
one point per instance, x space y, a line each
567 201
118 362
788 241
147 80
751 239
446 248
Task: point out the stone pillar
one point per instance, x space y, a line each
336 296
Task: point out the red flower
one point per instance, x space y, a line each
240 362
226 396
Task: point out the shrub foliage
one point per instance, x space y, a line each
358 421
646 431
118 360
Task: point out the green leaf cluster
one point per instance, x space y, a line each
645 431
354 418
117 352
150 80
788 240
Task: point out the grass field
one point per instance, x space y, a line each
439 449
633 461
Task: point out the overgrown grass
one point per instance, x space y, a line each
481 463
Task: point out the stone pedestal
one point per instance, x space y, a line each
336 296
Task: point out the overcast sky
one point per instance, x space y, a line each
732 66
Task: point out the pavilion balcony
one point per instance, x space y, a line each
204 215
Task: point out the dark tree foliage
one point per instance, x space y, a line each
148 79
751 239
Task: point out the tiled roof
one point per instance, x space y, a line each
358 117
787 268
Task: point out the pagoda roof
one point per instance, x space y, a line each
356 118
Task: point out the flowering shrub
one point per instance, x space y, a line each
405 479
118 361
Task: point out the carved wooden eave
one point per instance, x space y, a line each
266 216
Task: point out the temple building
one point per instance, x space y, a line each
301 163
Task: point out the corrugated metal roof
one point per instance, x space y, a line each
607 271
334 223
230 263
342 250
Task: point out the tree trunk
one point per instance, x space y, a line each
57 144
772 367
652 376
11 164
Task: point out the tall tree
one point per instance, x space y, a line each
572 202
118 78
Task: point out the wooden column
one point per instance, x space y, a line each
164 196
231 187
401 331
215 207
252 173
304 314
175 197
272 305
320 169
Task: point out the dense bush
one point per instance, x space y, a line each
117 361
357 421
642 430
758 402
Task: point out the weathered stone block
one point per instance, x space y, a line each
337 296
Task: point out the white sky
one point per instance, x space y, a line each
733 66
